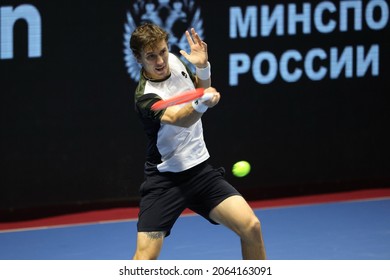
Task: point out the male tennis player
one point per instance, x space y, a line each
177 174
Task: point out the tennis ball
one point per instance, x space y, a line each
241 168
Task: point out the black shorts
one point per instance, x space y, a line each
164 196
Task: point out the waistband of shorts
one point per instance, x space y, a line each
195 169
151 168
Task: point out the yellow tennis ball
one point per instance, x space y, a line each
241 168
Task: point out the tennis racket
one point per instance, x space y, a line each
181 98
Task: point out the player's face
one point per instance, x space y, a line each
155 61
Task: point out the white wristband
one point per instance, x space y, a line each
204 73
199 106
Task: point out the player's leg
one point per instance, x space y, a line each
149 245
161 204
235 213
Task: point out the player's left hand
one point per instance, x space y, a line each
216 96
198 55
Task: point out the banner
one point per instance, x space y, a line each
304 90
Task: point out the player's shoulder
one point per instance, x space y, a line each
173 57
140 89
177 64
174 60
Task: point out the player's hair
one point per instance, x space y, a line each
146 36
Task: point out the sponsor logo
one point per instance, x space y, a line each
8 18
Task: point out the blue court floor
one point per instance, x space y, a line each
358 230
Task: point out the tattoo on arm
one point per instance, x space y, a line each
155 234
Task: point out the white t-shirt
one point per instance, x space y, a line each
171 148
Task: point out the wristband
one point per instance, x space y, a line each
199 106
204 73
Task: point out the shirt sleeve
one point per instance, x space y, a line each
143 107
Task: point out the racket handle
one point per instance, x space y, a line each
206 96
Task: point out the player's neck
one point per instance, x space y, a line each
146 76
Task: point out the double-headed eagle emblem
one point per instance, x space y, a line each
175 16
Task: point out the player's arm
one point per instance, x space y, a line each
199 58
203 76
189 114
184 116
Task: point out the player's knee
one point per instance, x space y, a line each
255 226
252 230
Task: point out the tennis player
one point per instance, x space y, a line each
177 173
